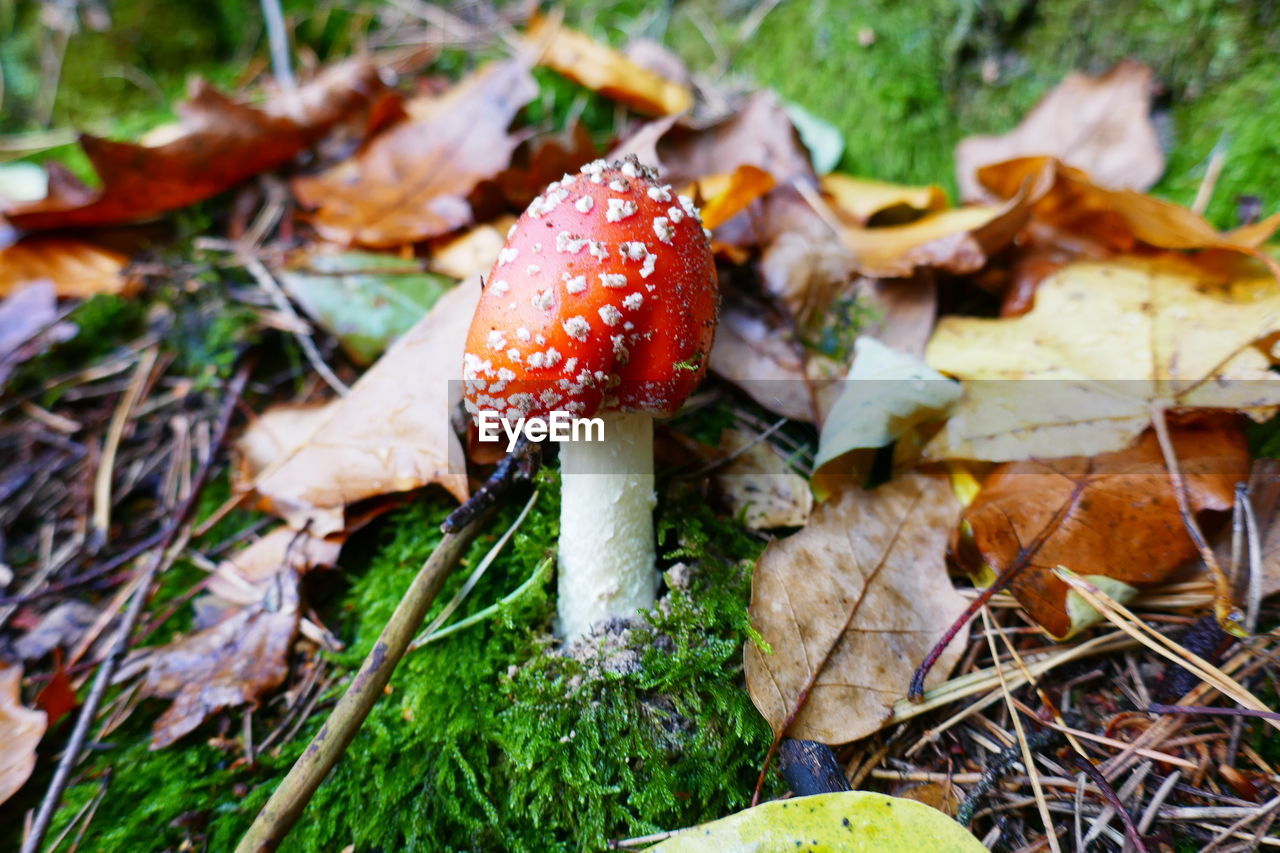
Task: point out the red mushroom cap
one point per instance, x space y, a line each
603 298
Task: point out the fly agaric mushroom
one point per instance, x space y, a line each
602 303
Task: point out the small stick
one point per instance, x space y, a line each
278 39
70 754
1109 794
287 802
520 464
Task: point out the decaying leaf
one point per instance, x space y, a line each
20 733
1125 531
411 182
1099 124
76 268
727 195
1108 341
886 396
390 434
218 144
958 241
246 576
850 605
759 486
366 300
859 199
602 69
750 351
1123 220
848 821
228 664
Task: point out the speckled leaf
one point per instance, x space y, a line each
365 299
847 822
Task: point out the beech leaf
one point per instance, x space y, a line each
77 269
411 182
848 821
20 731
850 605
1116 338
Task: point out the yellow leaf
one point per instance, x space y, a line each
729 194
862 198
603 69
846 822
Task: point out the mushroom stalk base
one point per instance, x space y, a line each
607 551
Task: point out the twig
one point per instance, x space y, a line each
106 671
1157 800
1095 775
111 444
289 799
520 464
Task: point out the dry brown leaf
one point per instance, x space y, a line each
245 577
275 434
218 144
77 269
759 486
958 241
1264 496
20 733
1126 527
750 352
412 181
1068 199
1099 124
228 664
729 194
1109 341
390 434
850 606
643 142
602 69
904 310
543 159
859 199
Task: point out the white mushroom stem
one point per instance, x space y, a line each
607 550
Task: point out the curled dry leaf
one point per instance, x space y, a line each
1122 220
20 733
759 486
1125 531
848 821
228 664
727 195
77 269
1099 124
390 434
958 241
218 144
602 69
412 181
850 605
860 199
1115 339
246 576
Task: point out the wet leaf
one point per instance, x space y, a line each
850 605
1122 220
1124 533
849 822
388 435
20 733
77 269
1264 495
218 144
859 199
602 69
229 664
1099 124
1116 339
61 626
366 300
887 395
412 181
275 434
958 241
759 486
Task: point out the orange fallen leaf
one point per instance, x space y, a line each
727 195
412 181
218 144
390 434
859 199
77 269
1069 199
602 69
1125 528
849 606
1099 124
20 733
58 697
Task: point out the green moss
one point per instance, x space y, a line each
486 741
